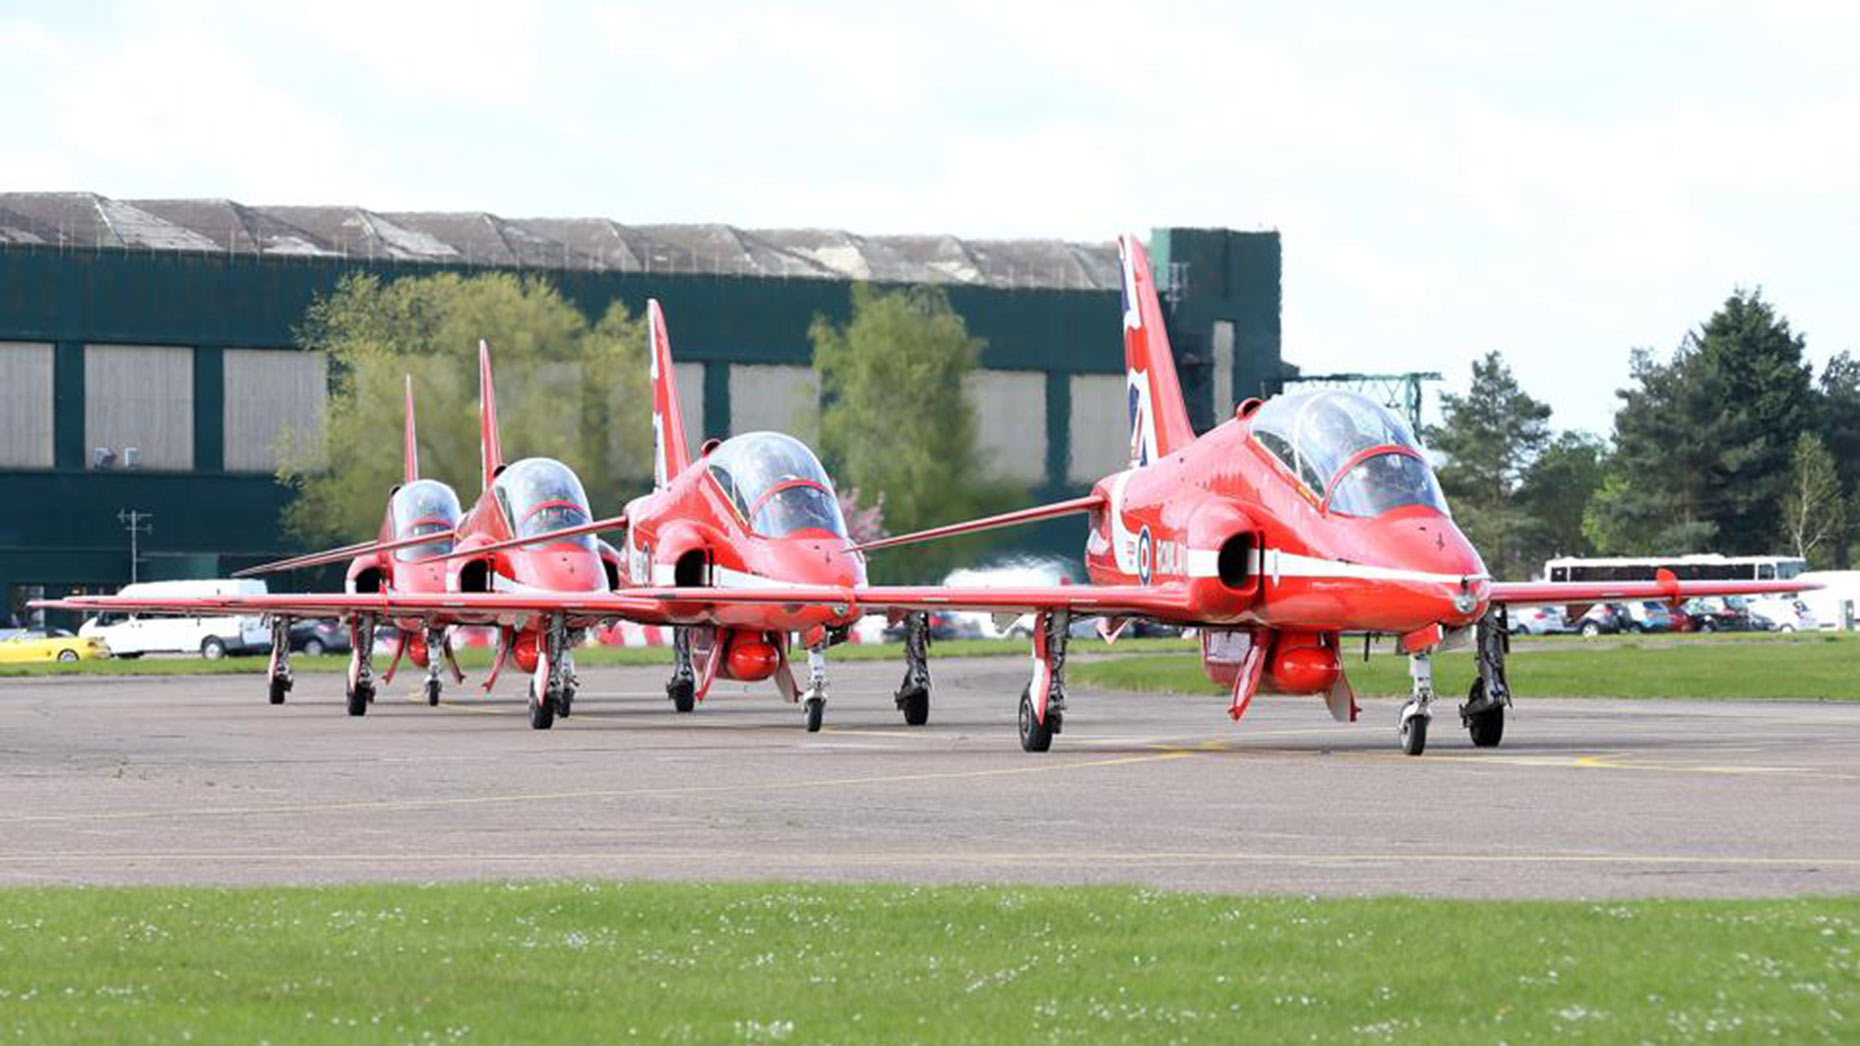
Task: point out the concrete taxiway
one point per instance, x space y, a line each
172 779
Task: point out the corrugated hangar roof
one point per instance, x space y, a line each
479 238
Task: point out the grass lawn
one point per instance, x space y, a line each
586 962
479 658
1812 666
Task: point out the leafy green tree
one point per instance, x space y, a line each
1813 510
896 427
1555 492
1839 428
1703 442
1490 437
565 389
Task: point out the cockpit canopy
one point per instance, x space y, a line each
425 506
1355 455
777 484
540 495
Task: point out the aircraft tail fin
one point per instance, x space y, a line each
1158 416
412 454
491 456
671 452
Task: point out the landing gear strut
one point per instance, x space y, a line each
435 649
361 663
1484 711
814 700
913 695
551 676
1043 702
1418 712
280 673
682 690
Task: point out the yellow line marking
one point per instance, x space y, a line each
622 793
1067 857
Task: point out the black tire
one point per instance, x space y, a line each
128 657
915 704
1709 626
359 699
683 693
213 648
433 687
1590 630
279 687
314 647
565 702
1487 727
1414 735
67 656
542 713
815 710
1035 736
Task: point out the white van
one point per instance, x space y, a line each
132 635
1828 604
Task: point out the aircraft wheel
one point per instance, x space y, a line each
565 701
542 712
815 709
915 704
433 687
1414 734
359 699
279 687
683 693
1036 736
1487 727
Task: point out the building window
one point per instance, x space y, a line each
25 405
139 406
274 403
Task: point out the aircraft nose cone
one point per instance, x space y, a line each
1432 545
570 570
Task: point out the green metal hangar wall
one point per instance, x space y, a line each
147 358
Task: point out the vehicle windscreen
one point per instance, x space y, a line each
1318 434
776 484
542 495
425 506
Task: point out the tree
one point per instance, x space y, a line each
1703 441
564 390
1813 511
1838 425
1490 437
1555 492
896 426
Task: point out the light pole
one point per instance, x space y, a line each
137 523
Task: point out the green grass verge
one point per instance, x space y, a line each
1815 666
592 656
585 962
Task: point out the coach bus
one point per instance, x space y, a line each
1701 567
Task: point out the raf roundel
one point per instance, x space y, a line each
1144 554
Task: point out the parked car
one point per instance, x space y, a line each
132 635
1781 614
29 644
1605 619
320 636
1715 614
942 626
1538 621
1650 615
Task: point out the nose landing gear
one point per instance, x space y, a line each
280 671
1484 711
1043 702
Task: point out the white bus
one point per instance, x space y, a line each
1709 566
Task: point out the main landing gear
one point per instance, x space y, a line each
279 673
913 697
1483 714
361 664
1043 702
682 689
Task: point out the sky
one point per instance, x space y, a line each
1557 182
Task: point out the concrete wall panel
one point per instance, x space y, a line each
140 396
691 401
1010 422
784 399
272 397
26 428
1100 427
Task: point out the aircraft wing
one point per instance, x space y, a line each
1007 519
1667 587
1080 599
502 606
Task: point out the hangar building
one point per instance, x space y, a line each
147 362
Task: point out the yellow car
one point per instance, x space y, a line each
29 645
